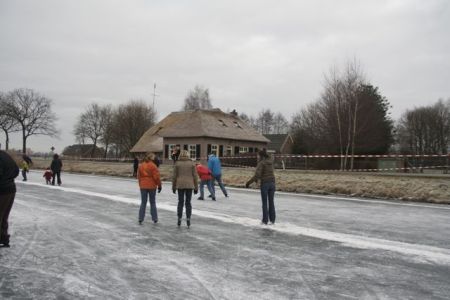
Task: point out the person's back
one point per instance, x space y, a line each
148 175
8 171
214 165
56 165
203 172
184 176
265 170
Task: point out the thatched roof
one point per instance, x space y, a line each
150 143
200 123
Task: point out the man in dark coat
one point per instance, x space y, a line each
8 171
135 166
56 167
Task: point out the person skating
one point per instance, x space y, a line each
8 172
149 180
184 181
25 169
135 166
265 175
56 167
205 179
216 172
175 154
48 175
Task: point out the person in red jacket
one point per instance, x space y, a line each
205 178
149 180
48 175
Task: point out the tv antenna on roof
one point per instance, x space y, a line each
154 95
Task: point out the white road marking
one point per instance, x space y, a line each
430 253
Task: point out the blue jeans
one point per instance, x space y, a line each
145 195
184 195
219 182
208 185
267 195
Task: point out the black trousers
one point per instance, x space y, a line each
6 203
56 174
184 197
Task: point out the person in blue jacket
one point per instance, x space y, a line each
216 173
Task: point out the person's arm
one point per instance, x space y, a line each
174 178
156 176
257 174
194 174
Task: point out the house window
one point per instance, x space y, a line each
215 149
243 149
229 151
192 151
171 147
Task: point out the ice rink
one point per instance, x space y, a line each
82 240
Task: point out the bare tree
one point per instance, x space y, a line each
130 122
32 112
350 117
7 124
198 98
280 124
264 121
108 127
425 130
91 125
249 120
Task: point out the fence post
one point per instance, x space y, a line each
446 169
306 163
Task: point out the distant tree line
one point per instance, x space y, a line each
116 129
425 130
352 117
28 112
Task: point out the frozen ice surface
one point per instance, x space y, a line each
82 240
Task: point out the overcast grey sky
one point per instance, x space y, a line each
250 54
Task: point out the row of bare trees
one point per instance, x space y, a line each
267 122
116 129
425 130
26 111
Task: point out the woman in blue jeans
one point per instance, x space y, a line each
149 181
265 174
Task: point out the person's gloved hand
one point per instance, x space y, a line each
174 191
195 192
159 189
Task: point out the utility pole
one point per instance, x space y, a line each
154 95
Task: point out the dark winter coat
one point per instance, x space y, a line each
56 165
264 172
8 171
135 165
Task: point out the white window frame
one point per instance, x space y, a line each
229 150
192 148
215 149
243 150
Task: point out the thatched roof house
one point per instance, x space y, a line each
201 132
